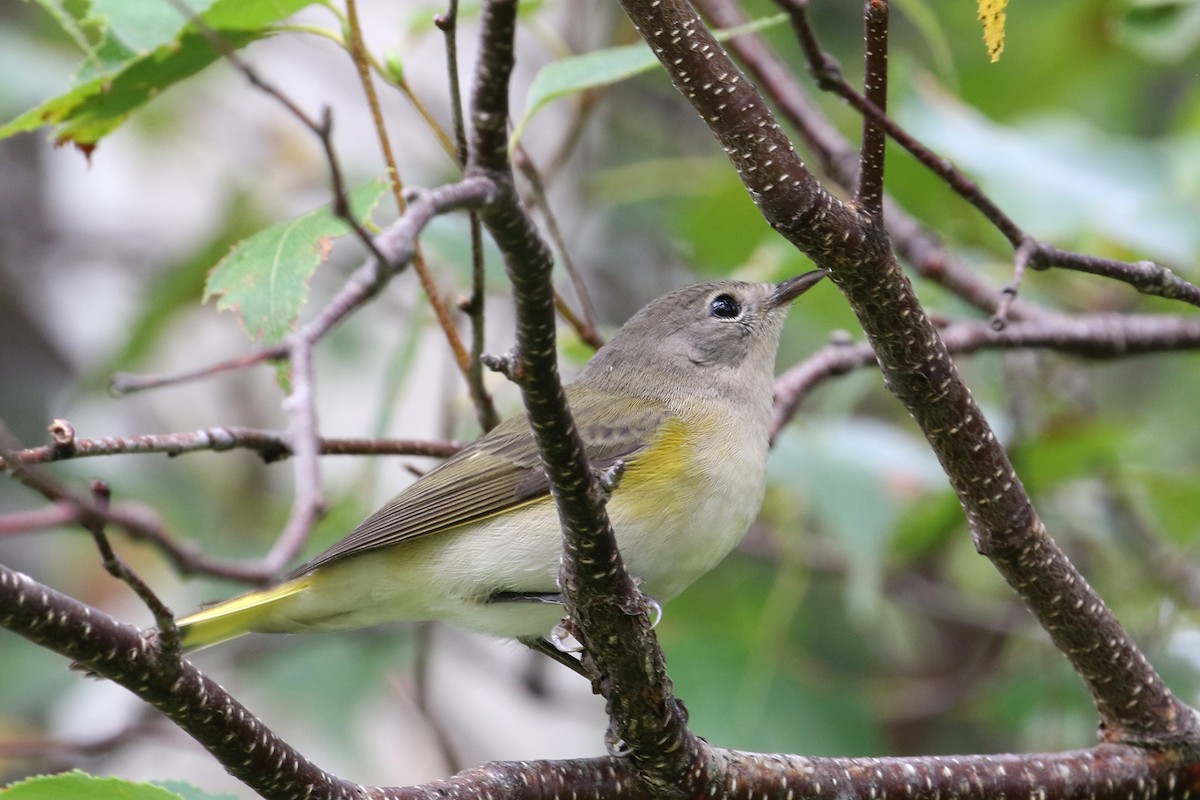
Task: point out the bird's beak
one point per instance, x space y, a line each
787 291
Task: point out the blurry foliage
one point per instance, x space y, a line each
858 620
133 52
79 786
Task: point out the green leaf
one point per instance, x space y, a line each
859 475
603 68
1167 31
740 654
265 278
189 792
1071 450
935 38
1066 181
81 786
133 51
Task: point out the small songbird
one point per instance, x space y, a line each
681 396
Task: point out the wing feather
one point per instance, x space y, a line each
499 472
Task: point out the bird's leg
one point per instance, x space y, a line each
547 648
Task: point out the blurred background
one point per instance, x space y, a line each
855 620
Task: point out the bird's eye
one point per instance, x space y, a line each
724 306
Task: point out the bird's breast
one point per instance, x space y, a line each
686 500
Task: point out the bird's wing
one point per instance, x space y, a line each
498 472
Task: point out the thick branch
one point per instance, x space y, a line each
196 704
602 599
267 764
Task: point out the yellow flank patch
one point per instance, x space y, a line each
235 616
656 477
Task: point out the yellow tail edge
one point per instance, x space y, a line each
234 617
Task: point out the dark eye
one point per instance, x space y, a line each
724 306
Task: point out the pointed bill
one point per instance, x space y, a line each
787 291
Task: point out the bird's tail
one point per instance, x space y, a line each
227 620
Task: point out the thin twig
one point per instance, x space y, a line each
1099 336
164 619
1145 276
123 383
869 193
485 409
1021 260
270 445
474 306
585 327
828 74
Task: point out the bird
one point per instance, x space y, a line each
679 400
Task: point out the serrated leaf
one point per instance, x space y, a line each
991 14
132 53
81 786
576 74
265 277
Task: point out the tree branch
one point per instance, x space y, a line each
267 764
919 246
869 192
1133 702
1146 276
604 603
1098 336
270 445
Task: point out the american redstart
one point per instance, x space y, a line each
681 395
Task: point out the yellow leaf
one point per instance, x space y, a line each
991 14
